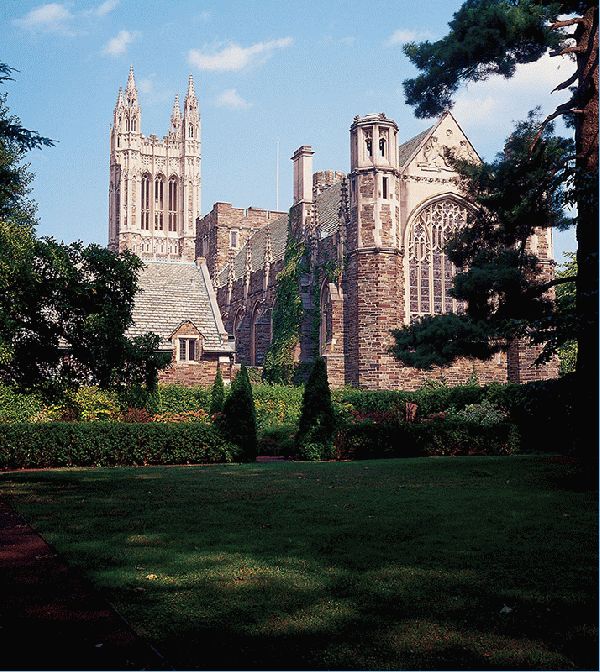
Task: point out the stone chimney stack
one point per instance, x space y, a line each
303 185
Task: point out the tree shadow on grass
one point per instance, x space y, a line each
363 566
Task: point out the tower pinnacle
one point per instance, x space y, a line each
131 89
176 115
190 90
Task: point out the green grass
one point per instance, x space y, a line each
373 565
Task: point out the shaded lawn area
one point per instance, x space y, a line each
386 564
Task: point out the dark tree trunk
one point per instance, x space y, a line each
586 140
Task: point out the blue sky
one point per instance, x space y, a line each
266 72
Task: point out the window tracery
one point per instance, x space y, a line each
430 272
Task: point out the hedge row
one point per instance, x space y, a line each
438 437
107 444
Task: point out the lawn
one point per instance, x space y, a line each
416 563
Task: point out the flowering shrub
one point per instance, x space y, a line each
276 404
200 415
485 413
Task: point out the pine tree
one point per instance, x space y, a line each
487 38
239 417
317 421
506 297
217 394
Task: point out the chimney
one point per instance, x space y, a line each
303 174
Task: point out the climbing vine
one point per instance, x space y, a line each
287 316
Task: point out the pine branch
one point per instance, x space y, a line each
568 50
566 83
565 108
567 22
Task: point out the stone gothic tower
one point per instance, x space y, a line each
374 265
154 192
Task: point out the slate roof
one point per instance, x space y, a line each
328 206
173 293
278 230
407 149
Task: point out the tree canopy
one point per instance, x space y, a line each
64 309
488 38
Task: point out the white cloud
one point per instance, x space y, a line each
117 45
232 99
347 41
52 17
146 85
234 57
106 7
404 35
492 105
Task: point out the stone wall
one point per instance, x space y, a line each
202 372
213 231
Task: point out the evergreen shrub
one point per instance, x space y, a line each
316 426
238 421
107 444
367 440
217 394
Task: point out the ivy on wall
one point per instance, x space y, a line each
278 366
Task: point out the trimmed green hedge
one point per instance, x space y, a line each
438 437
107 444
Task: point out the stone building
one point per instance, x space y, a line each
375 257
374 251
154 200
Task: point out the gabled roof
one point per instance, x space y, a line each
409 149
172 293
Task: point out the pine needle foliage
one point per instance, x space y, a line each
217 394
239 417
317 421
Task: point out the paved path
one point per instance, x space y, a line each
51 618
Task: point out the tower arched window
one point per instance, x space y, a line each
173 204
145 201
429 272
326 325
191 131
159 202
382 147
133 124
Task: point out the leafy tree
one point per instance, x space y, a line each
217 394
488 38
317 421
57 299
239 417
506 289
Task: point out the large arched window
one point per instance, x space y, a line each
145 201
159 202
173 203
429 272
